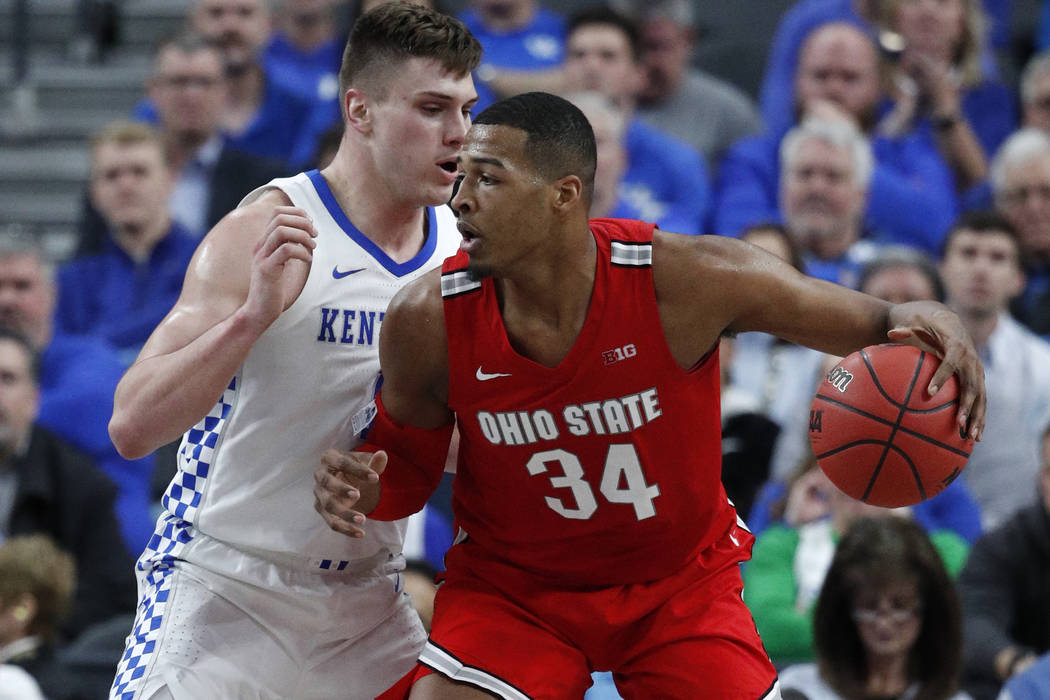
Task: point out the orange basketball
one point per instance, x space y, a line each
879 435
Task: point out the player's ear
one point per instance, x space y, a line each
567 192
358 110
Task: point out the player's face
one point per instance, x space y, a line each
899 285
189 90
1025 200
501 201
820 197
839 65
130 184
26 297
981 272
888 620
418 130
598 58
18 396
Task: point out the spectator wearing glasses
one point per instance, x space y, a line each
887 622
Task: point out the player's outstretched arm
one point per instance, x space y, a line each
248 269
711 284
395 471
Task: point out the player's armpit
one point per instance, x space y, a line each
416 461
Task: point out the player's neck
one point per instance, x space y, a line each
395 226
545 300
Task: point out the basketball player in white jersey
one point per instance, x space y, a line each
269 358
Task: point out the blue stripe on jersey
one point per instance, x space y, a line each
394 268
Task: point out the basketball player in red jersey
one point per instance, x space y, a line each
579 360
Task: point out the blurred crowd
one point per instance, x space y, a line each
886 151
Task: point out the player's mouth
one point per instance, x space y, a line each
449 168
470 236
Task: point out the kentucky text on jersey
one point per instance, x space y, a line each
349 326
606 417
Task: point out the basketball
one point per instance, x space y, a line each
878 434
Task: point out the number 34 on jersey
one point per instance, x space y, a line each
622 481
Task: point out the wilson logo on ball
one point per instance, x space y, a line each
840 379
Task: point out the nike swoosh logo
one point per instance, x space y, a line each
485 376
340 275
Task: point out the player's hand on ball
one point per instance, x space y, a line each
943 334
346 488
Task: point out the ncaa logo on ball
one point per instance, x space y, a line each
840 379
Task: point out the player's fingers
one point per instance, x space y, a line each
337 511
282 237
378 463
354 465
975 395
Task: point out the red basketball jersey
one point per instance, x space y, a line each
605 469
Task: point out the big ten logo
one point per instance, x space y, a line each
624 352
815 420
840 379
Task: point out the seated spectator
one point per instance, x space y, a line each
122 292
57 491
886 623
665 180
187 97
981 270
788 564
77 379
777 93
1004 591
259 115
37 581
940 88
689 104
826 169
1021 184
911 196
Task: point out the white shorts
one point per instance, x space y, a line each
227 624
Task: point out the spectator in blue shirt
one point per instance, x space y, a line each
610 126
77 379
940 88
121 293
305 50
665 180
911 196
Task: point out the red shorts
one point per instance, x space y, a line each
688 635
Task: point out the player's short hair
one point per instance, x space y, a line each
33 564
985 222
559 139
875 553
605 15
33 357
898 256
391 33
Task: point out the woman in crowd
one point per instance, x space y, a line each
887 623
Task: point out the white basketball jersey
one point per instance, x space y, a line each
246 470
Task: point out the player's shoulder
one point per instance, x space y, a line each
419 301
675 251
248 221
